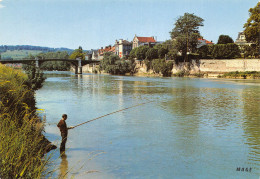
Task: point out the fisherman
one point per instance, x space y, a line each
64 132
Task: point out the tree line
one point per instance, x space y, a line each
4 48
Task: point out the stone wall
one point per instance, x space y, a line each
200 66
221 66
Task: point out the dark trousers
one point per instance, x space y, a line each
63 141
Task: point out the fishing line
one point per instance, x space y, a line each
112 113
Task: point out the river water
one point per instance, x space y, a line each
191 127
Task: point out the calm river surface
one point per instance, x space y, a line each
193 128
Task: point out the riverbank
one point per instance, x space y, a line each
22 144
203 68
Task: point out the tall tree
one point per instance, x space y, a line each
186 33
252 26
225 39
78 53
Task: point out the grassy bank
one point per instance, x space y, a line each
22 144
241 75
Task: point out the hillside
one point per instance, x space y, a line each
22 51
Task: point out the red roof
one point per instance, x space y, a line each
146 39
207 42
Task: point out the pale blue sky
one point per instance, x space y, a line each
96 23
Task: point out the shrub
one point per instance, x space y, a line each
161 66
114 65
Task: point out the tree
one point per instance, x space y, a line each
186 33
252 26
132 54
55 65
78 53
162 66
141 52
225 51
151 54
35 75
162 50
225 39
114 65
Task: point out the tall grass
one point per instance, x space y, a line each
22 144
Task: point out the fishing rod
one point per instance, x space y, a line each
111 113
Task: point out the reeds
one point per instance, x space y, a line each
22 145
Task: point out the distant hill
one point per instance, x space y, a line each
22 51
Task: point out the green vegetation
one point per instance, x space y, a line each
55 65
22 145
78 53
18 54
185 34
252 27
182 73
244 75
114 65
4 48
161 66
225 51
35 75
225 39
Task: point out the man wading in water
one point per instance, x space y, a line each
64 132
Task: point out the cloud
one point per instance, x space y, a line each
1 6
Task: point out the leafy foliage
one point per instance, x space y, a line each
225 39
78 53
204 51
225 51
151 54
55 65
35 75
114 65
132 54
162 50
186 33
161 66
252 26
140 52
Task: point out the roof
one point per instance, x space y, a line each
106 49
146 39
206 41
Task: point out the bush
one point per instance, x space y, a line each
161 66
151 54
114 65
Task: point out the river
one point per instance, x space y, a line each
191 127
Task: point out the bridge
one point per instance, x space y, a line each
76 63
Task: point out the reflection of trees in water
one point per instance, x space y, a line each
251 124
217 107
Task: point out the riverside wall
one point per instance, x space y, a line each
207 66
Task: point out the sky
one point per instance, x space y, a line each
93 24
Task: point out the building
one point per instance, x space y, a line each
102 51
123 48
139 41
241 39
203 42
94 54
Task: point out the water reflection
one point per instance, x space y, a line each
64 166
193 127
251 124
